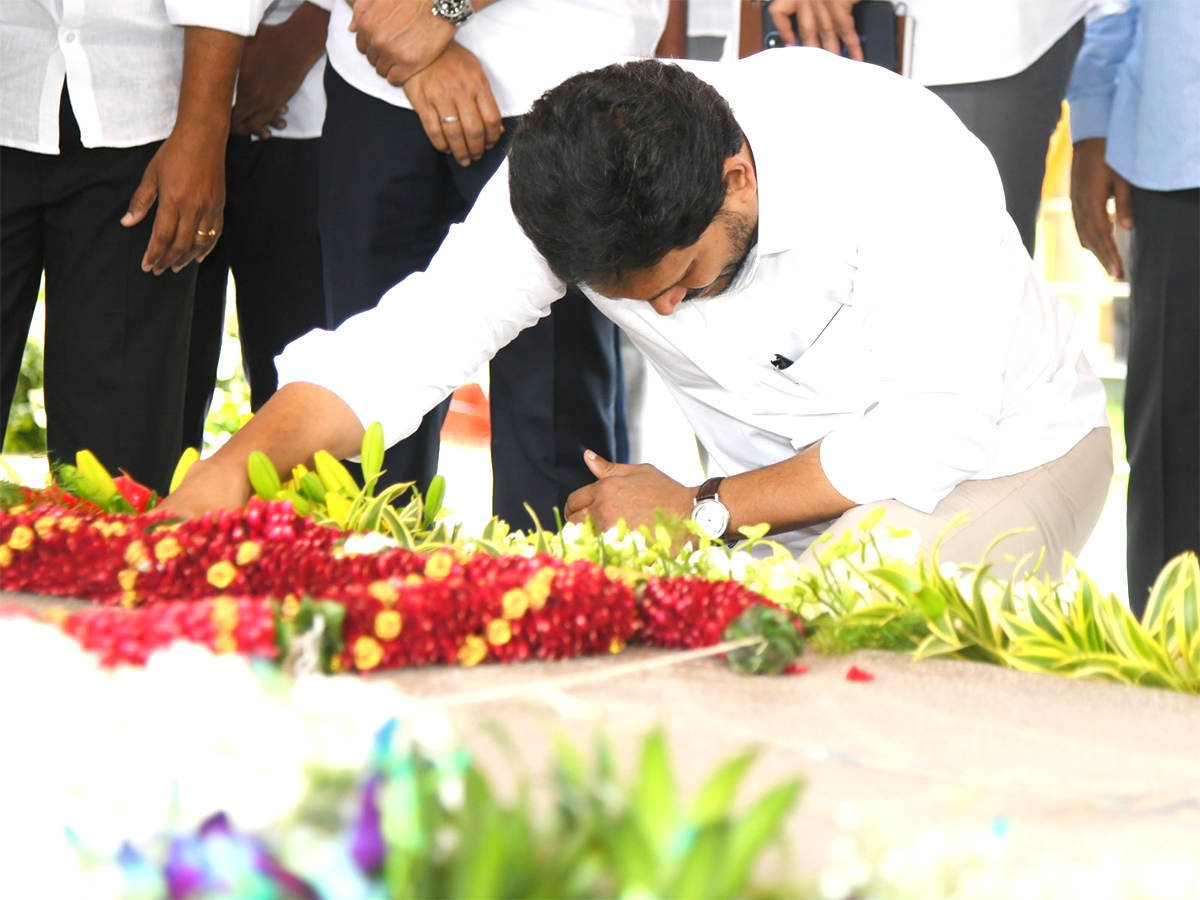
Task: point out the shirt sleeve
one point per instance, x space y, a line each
235 16
326 5
940 273
1108 40
431 332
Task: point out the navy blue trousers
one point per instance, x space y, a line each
387 199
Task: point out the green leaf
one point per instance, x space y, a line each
372 452
715 798
655 801
700 872
761 824
433 500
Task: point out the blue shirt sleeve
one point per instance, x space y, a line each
1106 43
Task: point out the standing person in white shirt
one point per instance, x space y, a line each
421 105
838 344
116 115
1001 65
270 242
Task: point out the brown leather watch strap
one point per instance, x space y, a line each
708 490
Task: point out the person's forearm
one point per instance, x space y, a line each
786 495
210 64
297 421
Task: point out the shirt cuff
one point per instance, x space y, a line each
1089 117
237 18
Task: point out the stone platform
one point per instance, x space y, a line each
1075 774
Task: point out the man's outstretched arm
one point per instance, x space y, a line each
295 423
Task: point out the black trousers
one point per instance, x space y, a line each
1162 387
387 200
271 244
116 337
1015 117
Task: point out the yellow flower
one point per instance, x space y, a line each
367 653
616 646
221 574
335 664
167 548
627 577
388 624
225 643
137 556
290 606
69 524
224 614
129 599
439 565
127 578
499 632
538 587
248 552
413 579
44 525
473 651
5 556
383 592
21 538
516 602
110 529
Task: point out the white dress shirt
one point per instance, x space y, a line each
122 61
524 46
928 350
965 41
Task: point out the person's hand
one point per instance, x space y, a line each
821 23
208 485
630 492
187 178
274 65
399 37
454 100
1092 184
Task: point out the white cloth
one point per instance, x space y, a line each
306 108
122 61
964 41
942 353
524 46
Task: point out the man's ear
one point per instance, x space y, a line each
740 177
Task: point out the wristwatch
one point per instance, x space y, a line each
709 512
453 11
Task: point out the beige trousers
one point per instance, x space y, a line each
1057 505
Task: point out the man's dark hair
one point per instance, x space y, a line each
614 168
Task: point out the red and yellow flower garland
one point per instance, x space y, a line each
232 579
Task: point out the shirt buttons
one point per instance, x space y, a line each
70 37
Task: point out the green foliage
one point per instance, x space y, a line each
450 832
26 428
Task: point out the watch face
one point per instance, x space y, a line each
456 11
712 517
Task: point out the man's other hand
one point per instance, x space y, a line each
822 23
399 37
275 63
1092 184
630 492
454 87
187 179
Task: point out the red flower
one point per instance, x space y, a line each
857 674
136 495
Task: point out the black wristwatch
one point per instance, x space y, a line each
709 512
453 11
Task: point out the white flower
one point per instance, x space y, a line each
368 542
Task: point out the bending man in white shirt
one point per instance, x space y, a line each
875 338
